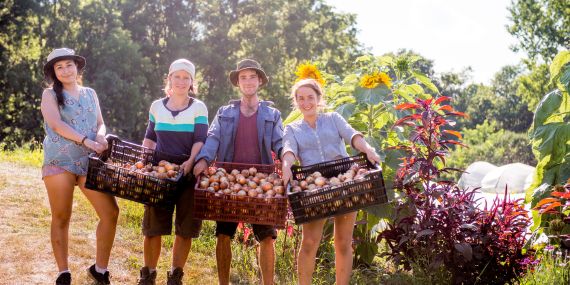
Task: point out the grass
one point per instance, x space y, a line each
23 156
127 256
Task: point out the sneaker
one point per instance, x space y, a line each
100 279
147 278
63 279
175 278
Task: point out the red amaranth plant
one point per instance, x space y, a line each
438 229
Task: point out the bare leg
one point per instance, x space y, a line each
108 212
180 251
224 258
312 234
343 228
267 260
60 194
151 251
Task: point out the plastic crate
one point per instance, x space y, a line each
127 184
331 201
233 208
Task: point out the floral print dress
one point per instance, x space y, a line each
61 153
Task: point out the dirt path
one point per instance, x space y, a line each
25 249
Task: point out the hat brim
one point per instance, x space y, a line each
260 72
79 59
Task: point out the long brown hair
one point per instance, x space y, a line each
51 81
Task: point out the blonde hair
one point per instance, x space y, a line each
192 91
313 84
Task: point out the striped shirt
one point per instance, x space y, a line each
175 132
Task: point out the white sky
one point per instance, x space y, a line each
453 33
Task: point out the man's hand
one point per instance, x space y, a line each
200 167
186 166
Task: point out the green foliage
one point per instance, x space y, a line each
552 269
541 26
550 135
487 142
25 156
130 44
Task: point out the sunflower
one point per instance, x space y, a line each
375 79
308 70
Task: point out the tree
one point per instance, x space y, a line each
541 26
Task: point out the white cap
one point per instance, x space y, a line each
182 64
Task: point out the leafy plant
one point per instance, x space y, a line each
550 134
437 229
557 209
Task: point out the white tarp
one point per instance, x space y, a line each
514 176
474 174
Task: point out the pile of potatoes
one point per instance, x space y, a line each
244 183
316 180
163 170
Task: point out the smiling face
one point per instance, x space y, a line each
180 82
66 71
307 100
248 82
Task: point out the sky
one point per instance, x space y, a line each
454 34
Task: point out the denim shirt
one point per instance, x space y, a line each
323 143
221 135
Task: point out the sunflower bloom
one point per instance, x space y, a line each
308 70
371 81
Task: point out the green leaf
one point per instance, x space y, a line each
385 60
425 81
364 58
371 96
346 110
547 106
383 120
293 116
556 67
565 78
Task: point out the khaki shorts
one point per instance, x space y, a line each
158 221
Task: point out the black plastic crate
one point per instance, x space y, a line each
345 198
127 184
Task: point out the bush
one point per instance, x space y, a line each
438 230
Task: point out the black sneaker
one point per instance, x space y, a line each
147 278
175 278
100 279
63 279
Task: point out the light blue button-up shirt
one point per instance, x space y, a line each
323 143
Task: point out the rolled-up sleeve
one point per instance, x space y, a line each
345 130
290 142
277 136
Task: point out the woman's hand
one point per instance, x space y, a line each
372 156
186 166
102 140
287 174
95 146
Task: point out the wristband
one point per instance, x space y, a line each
83 140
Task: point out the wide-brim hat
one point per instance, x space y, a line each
248 64
62 54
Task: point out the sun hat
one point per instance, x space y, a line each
182 64
248 64
62 54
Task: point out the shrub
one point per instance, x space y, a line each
438 231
